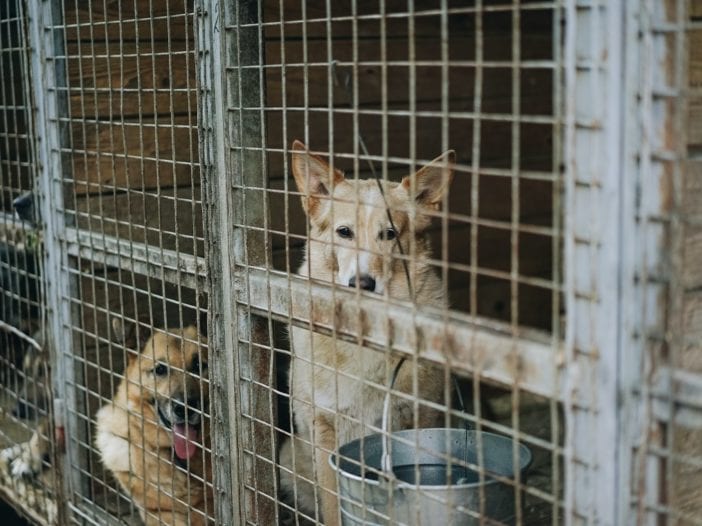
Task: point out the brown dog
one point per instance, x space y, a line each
154 435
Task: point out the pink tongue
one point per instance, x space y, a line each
185 440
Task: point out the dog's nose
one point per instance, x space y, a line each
193 404
179 409
364 281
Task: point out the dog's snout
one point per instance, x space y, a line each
179 407
365 282
194 402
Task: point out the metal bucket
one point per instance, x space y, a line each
425 487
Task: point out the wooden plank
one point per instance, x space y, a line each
109 292
107 156
117 19
461 46
426 19
695 58
691 355
692 206
172 220
535 98
495 140
692 256
316 27
128 80
684 491
687 479
692 214
694 119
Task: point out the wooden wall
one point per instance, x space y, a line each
300 69
15 155
133 150
686 476
134 144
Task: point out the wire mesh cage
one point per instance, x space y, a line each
133 222
125 298
374 92
27 443
350 262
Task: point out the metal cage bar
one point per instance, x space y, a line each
48 72
219 210
27 412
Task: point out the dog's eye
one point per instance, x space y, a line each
388 234
345 232
160 369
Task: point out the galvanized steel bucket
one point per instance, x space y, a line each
426 478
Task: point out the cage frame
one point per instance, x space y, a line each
602 398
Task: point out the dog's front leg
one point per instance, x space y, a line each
325 437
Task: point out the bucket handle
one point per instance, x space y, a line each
385 460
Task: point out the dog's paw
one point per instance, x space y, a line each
9 454
26 466
20 461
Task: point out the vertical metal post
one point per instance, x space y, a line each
48 72
612 257
218 210
593 233
247 163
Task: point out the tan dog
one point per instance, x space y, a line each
353 243
154 436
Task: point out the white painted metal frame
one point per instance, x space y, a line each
218 211
594 71
617 268
45 43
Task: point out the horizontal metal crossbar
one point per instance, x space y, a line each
528 359
155 262
677 397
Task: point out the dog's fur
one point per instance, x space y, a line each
167 476
35 393
337 387
27 459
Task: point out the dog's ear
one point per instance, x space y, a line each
429 184
314 177
131 334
